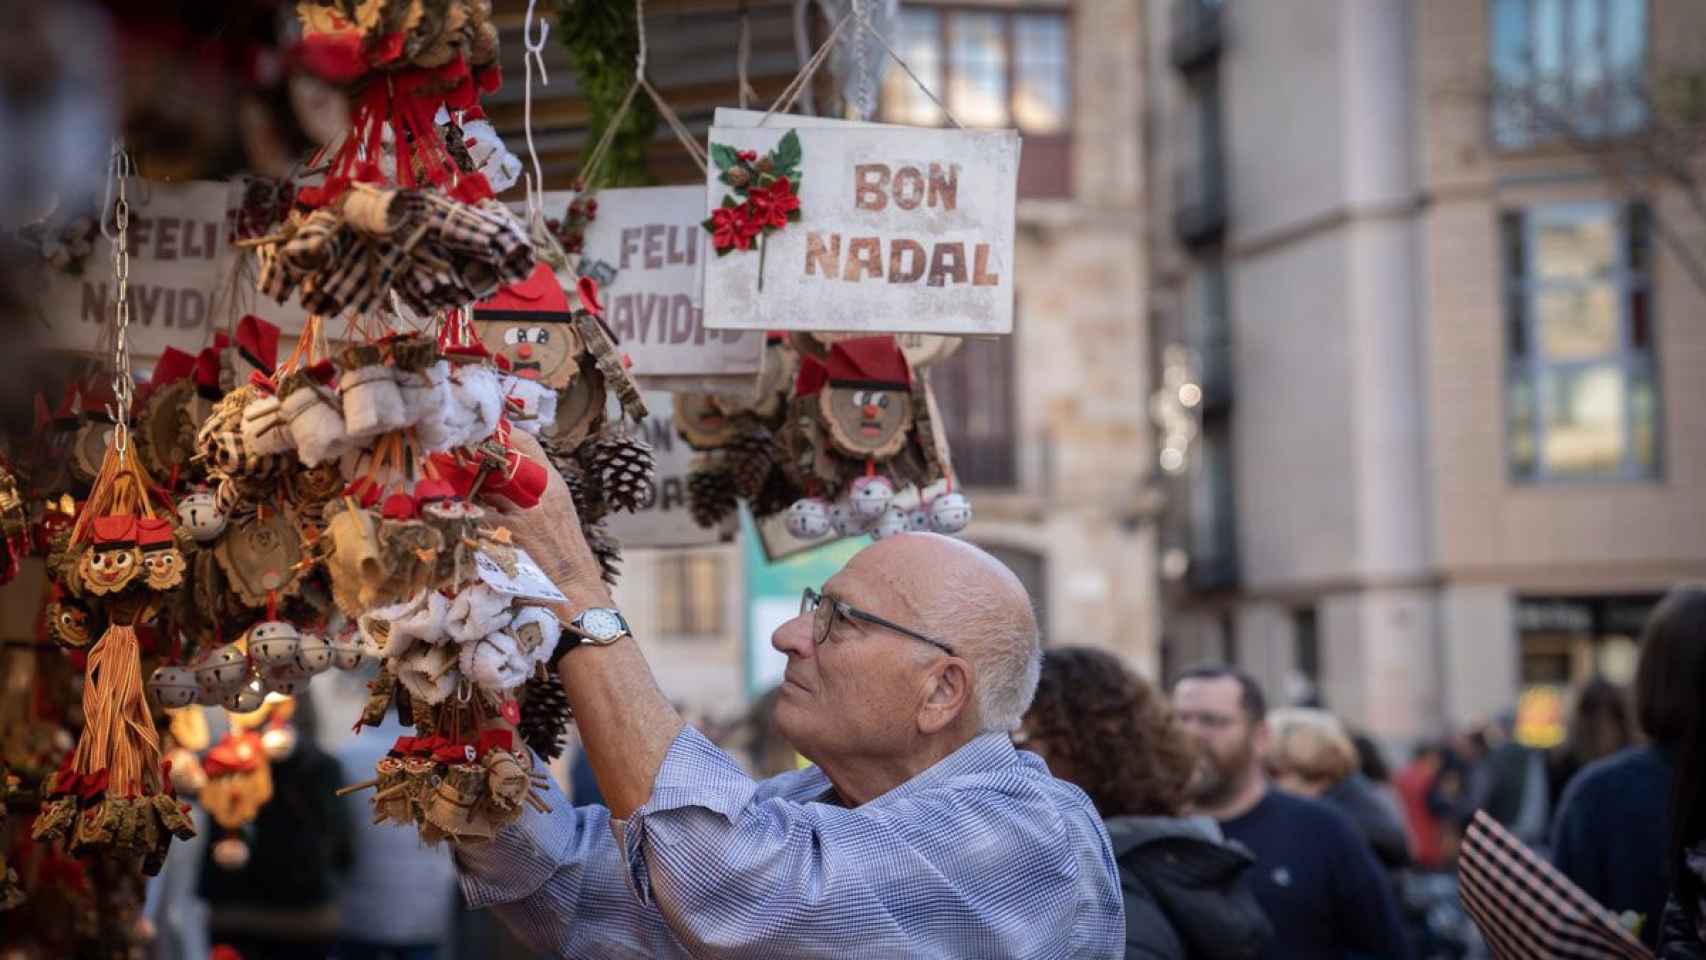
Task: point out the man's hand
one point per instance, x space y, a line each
550 532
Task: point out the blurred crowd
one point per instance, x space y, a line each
1239 830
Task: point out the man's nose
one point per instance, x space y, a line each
794 638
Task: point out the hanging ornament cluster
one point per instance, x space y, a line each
738 438
116 568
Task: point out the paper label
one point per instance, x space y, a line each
529 583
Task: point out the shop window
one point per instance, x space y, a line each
1583 401
995 69
1567 70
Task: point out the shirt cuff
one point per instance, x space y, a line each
694 775
515 863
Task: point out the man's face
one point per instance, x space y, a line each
856 694
1210 709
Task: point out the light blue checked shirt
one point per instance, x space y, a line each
983 855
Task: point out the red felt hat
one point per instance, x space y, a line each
869 361
432 490
257 341
539 293
118 528
153 532
173 365
587 289
400 506
813 375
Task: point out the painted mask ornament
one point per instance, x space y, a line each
162 562
867 403
529 324
113 560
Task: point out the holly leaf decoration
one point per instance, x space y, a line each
787 155
724 155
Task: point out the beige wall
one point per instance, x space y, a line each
1587 537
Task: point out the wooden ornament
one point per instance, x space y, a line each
866 421
89 448
580 407
262 556
702 420
611 364
168 441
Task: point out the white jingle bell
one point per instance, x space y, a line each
200 514
846 521
808 519
313 654
284 679
918 519
279 743
224 669
871 497
247 699
210 696
173 686
892 524
347 652
950 512
273 643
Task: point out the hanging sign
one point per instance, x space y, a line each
664 520
644 247
876 228
176 241
184 281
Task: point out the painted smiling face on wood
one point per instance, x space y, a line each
545 352
867 402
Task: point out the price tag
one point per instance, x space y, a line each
529 583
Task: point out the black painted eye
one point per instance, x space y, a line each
883 400
539 335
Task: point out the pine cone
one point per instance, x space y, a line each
607 549
624 468
711 494
545 716
589 502
777 494
752 454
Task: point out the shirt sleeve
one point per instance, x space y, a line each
556 880
1368 908
736 873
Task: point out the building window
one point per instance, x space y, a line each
1582 397
1567 70
690 593
975 393
993 68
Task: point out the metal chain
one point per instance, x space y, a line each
861 65
123 384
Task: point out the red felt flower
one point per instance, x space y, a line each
772 204
732 227
749 156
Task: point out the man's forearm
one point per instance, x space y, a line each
626 724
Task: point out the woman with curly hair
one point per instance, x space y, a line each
1105 729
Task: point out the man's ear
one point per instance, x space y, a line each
1260 739
946 695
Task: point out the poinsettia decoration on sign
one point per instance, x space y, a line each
768 191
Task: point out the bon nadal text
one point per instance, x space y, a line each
927 189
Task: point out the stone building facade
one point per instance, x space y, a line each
1450 446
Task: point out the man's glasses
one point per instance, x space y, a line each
824 610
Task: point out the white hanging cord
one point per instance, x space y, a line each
533 59
903 65
640 60
120 169
743 57
861 64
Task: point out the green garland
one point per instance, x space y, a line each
603 41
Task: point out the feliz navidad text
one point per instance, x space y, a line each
644 316
932 188
166 241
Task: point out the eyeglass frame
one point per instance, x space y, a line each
811 601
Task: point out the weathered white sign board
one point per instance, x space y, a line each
902 229
646 246
181 282
665 521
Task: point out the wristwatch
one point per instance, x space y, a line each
598 626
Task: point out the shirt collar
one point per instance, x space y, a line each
984 753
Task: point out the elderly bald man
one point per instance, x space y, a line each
919 832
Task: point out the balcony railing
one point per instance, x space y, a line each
1196 37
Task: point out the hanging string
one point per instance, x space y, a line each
533 59
743 57
792 92
861 64
595 160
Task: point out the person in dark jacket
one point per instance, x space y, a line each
1311 754
1613 831
1105 729
1681 618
